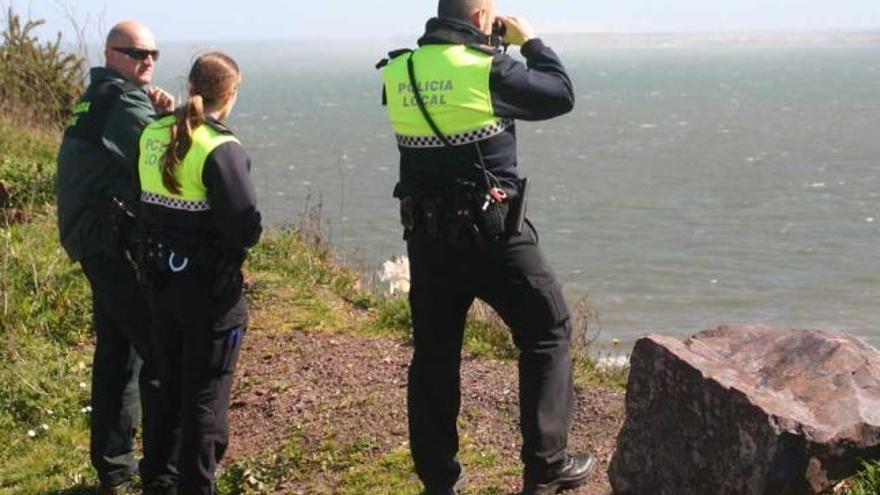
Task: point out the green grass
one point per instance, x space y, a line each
486 335
587 371
358 468
867 481
288 268
303 266
392 473
44 370
45 328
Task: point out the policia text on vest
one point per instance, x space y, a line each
433 93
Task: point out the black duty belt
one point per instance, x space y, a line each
459 214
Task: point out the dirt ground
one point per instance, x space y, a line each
319 385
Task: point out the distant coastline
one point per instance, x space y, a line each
724 38
841 37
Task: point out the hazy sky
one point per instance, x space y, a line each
267 19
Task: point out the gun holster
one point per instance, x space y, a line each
518 207
116 226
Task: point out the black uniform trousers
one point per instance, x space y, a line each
513 277
200 338
123 385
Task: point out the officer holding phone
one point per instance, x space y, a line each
452 103
96 163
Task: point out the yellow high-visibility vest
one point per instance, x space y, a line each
453 81
154 142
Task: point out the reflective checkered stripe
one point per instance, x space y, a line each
175 203
469 137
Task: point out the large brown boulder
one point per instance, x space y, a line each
750 410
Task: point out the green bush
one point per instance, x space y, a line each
39 82
27 164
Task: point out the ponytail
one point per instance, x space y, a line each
189 117
213 79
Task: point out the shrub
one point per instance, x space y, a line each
39 82
27 166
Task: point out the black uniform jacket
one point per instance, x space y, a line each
233 223
537 90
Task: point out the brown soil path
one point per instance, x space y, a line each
352 388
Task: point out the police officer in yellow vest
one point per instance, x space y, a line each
198 208
452 104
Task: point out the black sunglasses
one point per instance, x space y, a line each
137 53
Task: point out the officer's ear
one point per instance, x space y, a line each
110 57
482 20
477 18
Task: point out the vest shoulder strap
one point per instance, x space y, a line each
391 56
421 103
385 61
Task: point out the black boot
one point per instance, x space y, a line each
574 471
122 488
159 489
457 488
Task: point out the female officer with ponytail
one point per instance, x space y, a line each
198 209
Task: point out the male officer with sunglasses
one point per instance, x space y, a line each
96 161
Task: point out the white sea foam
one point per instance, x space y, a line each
613 361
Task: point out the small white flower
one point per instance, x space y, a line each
86 410
82 385
45 427
395 272
32 433
49 412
